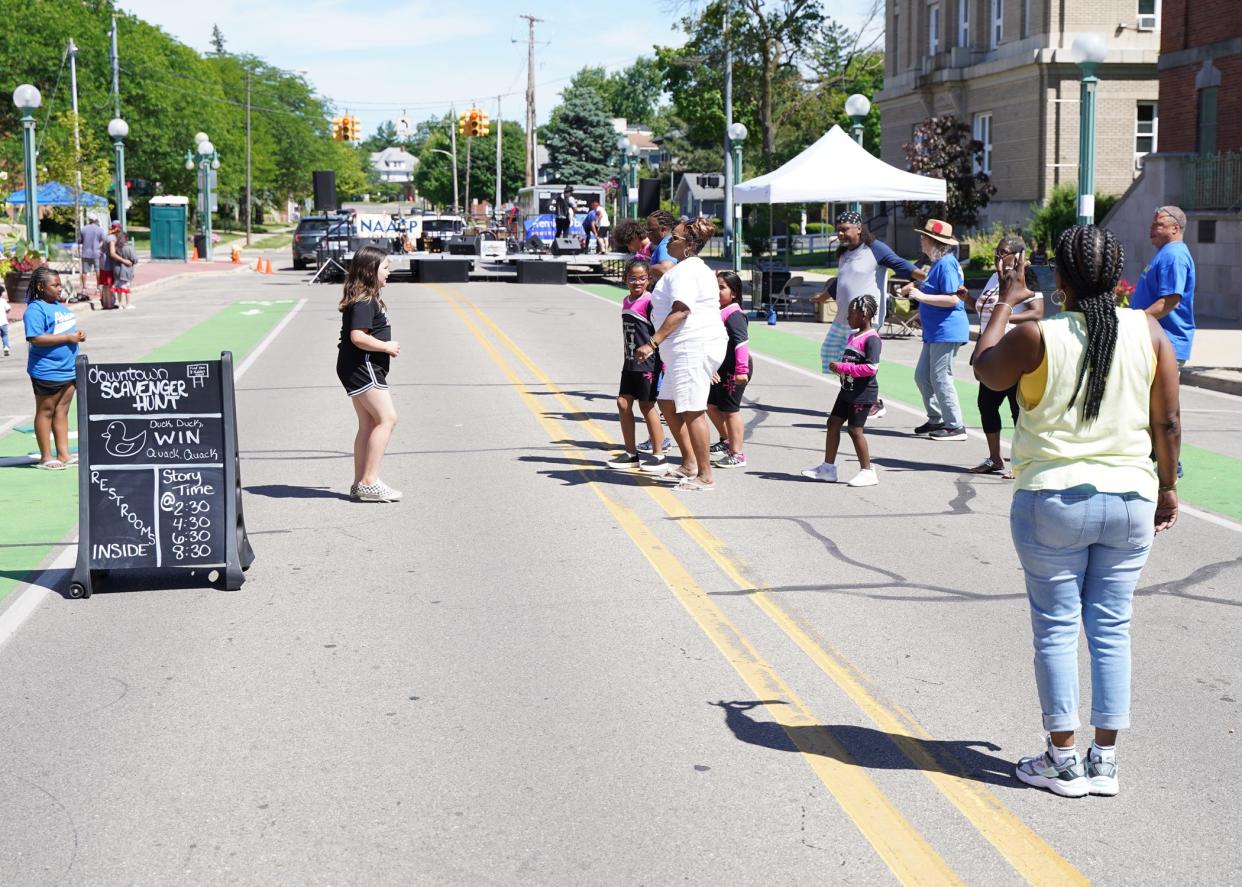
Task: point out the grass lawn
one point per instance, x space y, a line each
276 241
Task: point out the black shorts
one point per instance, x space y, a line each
47 388
854 414
726 395
640 385
362 375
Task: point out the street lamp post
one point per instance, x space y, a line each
1088 50
857 107
737 135
632 153
623 144
119 129
27 99
207 161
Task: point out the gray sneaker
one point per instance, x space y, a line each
378 492
1067 779
732 460
645 446
718 450
1102 774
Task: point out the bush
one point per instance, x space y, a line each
1060 211
982 243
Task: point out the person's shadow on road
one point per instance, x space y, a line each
288 491
869 748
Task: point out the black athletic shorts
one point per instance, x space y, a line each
854 414
726 395
46 387
362 375
639 385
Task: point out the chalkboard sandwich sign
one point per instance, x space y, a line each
159 484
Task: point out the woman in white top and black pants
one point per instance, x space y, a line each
691 339
1011 248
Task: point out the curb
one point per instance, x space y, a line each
1223 380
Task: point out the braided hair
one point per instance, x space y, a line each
1090 259
867 304
38 282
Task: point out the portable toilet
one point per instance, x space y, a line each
169 225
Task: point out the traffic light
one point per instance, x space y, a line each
472 122
461 124
338 128
483 128
355 131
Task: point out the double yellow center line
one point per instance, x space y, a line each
901 846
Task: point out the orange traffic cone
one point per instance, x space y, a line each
194 254
258 265
235 256
267 266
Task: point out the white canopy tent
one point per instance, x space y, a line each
836 169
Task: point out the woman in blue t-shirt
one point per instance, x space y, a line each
53 336
942 314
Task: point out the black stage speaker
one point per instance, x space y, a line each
566 246
535 244
542 272
325 190
443 271
461 245
648 197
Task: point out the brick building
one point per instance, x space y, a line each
1004 67
1198 164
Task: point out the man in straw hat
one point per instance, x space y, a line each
942 314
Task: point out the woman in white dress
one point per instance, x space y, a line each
691 340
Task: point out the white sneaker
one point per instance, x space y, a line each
1102 773
378 492
825 471
865 478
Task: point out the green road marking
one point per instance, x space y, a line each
1213 481
40 508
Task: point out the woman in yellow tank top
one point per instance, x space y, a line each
1097 390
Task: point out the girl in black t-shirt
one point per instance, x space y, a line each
366 349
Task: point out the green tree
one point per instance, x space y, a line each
217 40
58 164
385 136
944 148
580 140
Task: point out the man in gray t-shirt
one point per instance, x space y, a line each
91 237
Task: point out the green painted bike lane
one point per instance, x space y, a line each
1213 481
40 508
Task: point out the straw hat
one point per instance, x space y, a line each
938 230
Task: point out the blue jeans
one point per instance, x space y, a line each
934 376
4 334
1082 553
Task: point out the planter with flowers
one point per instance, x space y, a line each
20 266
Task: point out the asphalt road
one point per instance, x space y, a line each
536 671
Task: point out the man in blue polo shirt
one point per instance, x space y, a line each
1166 288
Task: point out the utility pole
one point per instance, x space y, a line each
499 128
248 210
453 141
469 143
77 155
532 160
730 246
116 74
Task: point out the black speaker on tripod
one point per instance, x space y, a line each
325 190
648 197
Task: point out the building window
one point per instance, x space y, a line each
983 134
1146 122
933 29
1206 140
963 23
1148 15
997 27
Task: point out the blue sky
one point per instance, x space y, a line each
379 58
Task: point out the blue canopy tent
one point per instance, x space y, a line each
56 194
